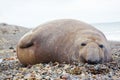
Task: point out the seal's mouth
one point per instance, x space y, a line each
91 62
94 62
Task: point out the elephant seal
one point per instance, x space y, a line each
64 40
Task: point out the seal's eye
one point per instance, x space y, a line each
83 44
101 46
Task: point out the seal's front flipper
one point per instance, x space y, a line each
26 41
26 45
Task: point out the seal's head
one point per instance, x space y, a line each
94 48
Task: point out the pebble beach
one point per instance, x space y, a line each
12 69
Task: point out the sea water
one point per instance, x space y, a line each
111 30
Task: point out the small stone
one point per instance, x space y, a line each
64 76
94 76
1 60
11 47
83 77
47 77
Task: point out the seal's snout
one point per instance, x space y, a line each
94 54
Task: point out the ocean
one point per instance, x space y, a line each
111 30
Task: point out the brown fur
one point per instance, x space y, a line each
61 41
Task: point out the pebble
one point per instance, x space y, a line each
1 60
12 69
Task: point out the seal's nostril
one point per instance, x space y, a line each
92 62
